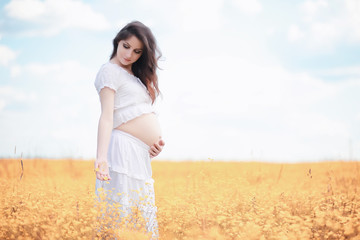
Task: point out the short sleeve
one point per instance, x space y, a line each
107 77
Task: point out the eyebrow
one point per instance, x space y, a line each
130 46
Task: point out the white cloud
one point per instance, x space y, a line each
312 8
294 33
329 23
271 31
352 71
42 69
50 17
257 88
10 95
2 104
15 94
312 125
60 102
353 19
68 71
251 108
325 34
199 15
10 92
6 55
15 71
358 116
248 6
26 10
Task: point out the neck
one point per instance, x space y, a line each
127 67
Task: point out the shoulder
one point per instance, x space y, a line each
112 70
108 76
106 68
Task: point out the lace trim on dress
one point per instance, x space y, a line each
124 115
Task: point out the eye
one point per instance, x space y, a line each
126 46
138 51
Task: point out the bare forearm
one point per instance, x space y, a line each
103 139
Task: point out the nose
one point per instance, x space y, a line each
129 54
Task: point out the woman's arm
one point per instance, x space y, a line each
105 127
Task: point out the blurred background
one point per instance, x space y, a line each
248 80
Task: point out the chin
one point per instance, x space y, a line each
125 63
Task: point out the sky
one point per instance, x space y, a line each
243 80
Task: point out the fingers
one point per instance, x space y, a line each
156 148
102 171
103 176
152 151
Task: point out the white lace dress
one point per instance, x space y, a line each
131 188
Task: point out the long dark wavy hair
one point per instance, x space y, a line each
145 67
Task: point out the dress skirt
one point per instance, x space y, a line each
130 193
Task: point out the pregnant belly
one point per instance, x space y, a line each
145 127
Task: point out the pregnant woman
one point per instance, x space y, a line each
129 134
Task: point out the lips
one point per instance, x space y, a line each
128 60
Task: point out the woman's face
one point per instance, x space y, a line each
129 51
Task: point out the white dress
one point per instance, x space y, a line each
131 187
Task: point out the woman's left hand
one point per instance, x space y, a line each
156 148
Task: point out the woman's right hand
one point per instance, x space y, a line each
102 170
156 148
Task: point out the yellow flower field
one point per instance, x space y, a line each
54 199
